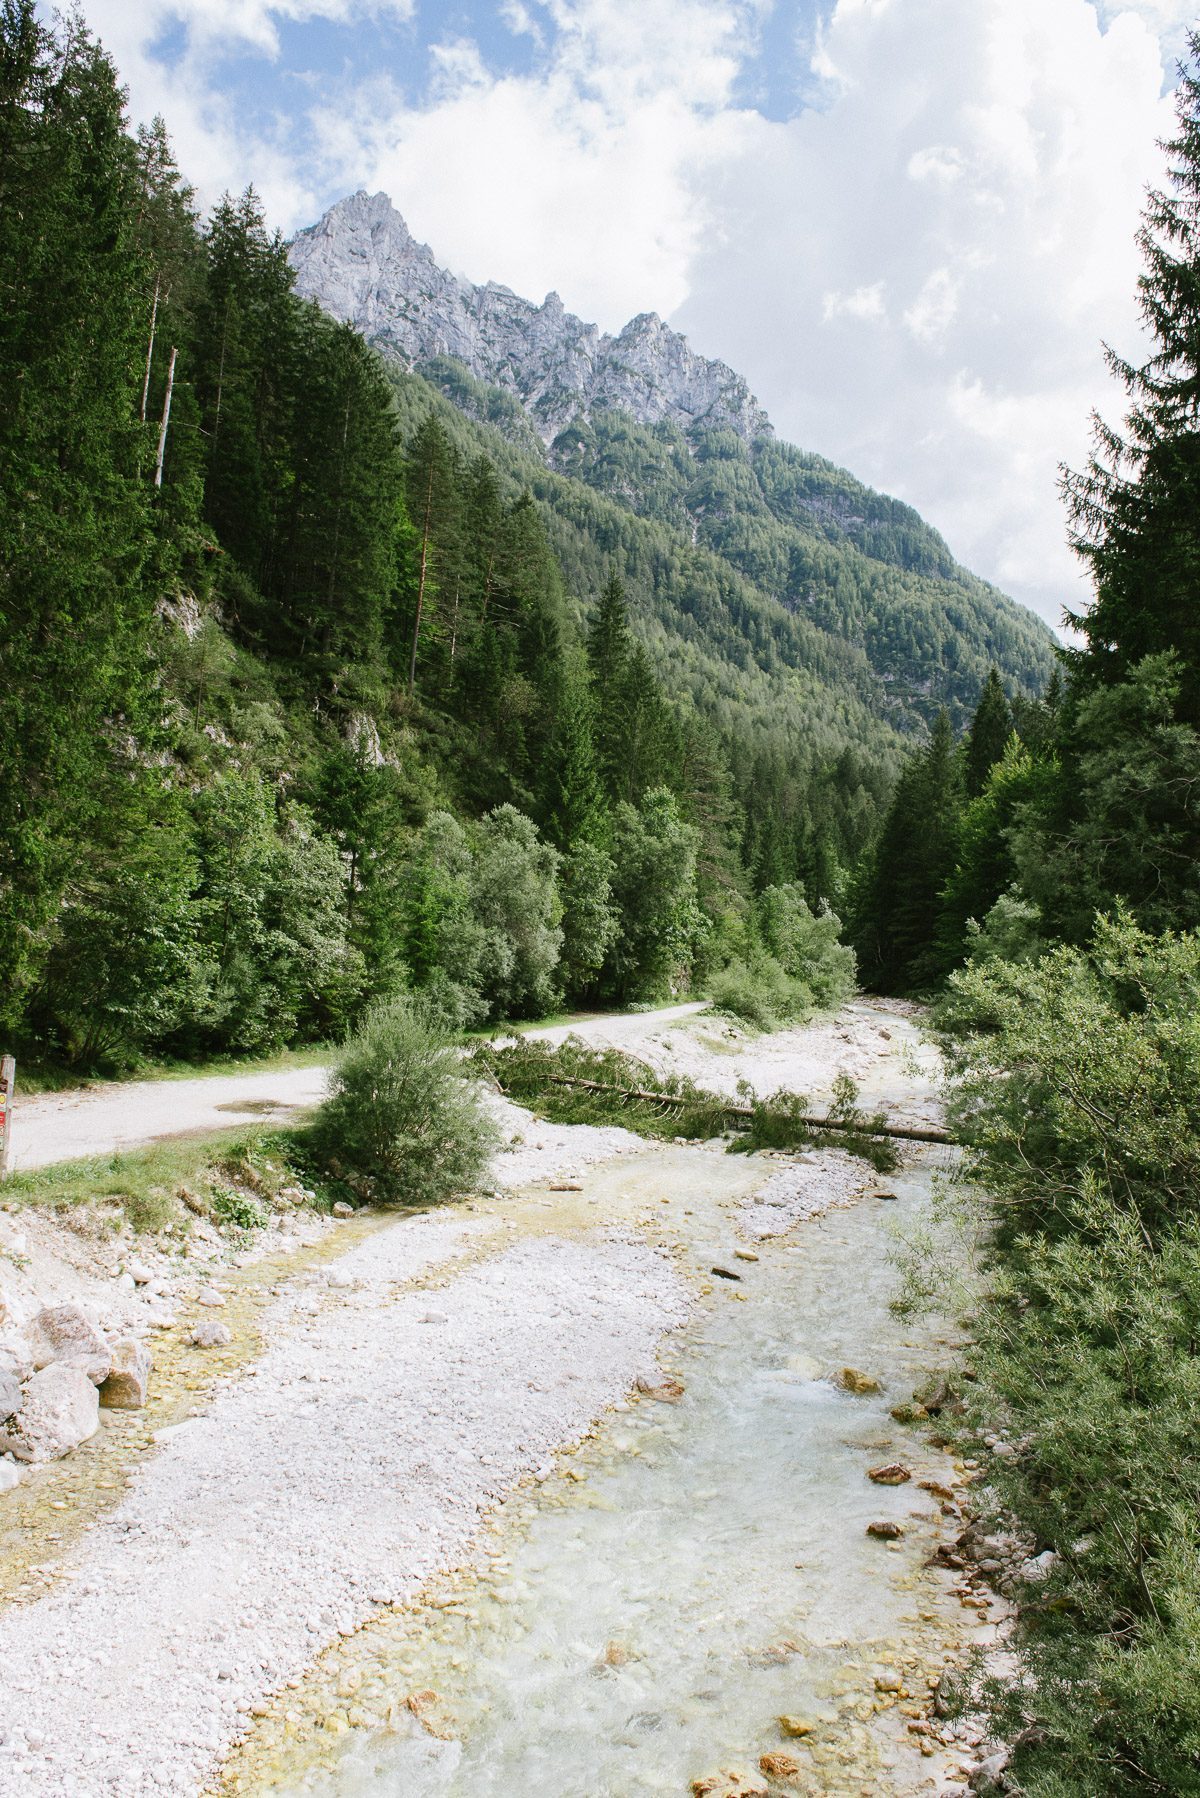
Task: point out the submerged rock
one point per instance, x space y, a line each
668 1391
795 1726
892 1473
427 1708
730 1782
850 1379
779 1766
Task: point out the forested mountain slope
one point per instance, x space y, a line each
324 678
758 555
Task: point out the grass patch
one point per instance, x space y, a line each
53 1077
233 1178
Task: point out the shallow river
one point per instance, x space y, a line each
698 1569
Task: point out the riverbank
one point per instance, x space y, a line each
382 1400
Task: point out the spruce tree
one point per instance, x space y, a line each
990 730
432 478
897 905
1135 508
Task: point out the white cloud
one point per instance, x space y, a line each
864 303
595 176
932 312
989 159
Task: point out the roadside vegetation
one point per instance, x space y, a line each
404 1123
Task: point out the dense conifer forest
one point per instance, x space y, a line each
318 686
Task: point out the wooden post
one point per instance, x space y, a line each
8 1080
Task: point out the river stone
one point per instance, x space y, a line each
210 1334
795 1726
67 1333
850 1379
886 1531
60 1409
10 1474
893 1473
779 1766
730 1782
208 1295
125 1387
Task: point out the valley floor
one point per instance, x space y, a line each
219 1592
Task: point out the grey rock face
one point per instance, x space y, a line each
362 264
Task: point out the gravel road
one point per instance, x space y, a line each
97 1120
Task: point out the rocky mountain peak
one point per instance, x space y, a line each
363 265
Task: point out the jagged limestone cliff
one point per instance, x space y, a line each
362 264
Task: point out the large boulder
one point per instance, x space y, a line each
125 1387
67 1333
60 1409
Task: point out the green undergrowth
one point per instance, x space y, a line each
56 1077
541 1076
234 1181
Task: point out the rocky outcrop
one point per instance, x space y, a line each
363 265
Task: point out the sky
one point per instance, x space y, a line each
909 223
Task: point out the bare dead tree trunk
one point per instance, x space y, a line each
421 579
454 629
150 347
166 418
335 551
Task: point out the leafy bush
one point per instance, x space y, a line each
796 964
402 1121
1079 1099
806 944
1078 1078
1090 1352
758 992
237 1209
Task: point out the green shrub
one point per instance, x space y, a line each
1079 1100
237 1209
758 992
807 945
402 1122
796 963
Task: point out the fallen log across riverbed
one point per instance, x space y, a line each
855 1126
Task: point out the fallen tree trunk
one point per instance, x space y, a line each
909 1132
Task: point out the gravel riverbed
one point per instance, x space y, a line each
403 1389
